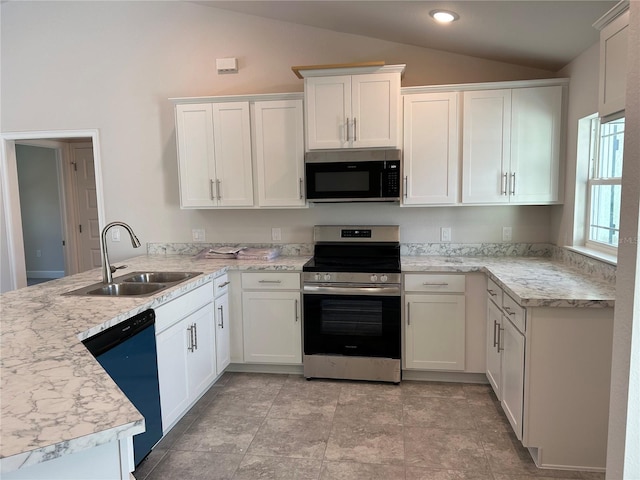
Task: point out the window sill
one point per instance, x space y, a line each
601 256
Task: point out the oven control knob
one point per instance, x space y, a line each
317 277
374 278
384 278
327 277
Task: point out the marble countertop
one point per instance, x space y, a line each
530 281
56 399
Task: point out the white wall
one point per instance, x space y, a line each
623 456
113 65
583 73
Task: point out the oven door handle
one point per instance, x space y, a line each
352 290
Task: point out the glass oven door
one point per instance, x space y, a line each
354 325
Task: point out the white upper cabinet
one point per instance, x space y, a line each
214 155
279 152
486 143
232 143
353 111
431 137
241 152
613 65
511 145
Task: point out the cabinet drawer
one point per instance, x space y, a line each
220 285
434 283
494 292
271 281
175 310
514 312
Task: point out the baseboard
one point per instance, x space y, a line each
264 368
457 377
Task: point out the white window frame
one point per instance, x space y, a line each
594 159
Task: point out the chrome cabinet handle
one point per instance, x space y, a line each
408 314
508 310
406 183
195 336
504 184
513 183
491 292
269 281
224 284
355 134
435 284
219 195
221 324
295 307
495 335
500 330
211 189
191 346
300 188
347 125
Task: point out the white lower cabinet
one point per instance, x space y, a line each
494 348
512 375
185 339
222 323
434 322
271 318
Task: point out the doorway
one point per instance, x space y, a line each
78 181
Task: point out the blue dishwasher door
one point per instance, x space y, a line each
132 364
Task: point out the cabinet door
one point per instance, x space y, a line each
431 148
486 144
172 345
196 156
536 116
223 338
232 142
614 41
375 107
328 111
279 149
202 357
513 375
435 332
271 325
494 348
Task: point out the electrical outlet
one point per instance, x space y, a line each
115 234
507 234
445 234
38 253
276 234
198 234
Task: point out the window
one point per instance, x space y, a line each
605 185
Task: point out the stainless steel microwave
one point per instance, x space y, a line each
353 176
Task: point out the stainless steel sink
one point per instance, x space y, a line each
135 284
158 277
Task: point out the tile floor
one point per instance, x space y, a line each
262 426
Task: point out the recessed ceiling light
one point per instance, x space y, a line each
444 16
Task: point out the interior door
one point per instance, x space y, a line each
88 245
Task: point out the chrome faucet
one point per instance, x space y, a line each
107 272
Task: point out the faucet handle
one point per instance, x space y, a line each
114 268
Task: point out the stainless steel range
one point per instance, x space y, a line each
352 304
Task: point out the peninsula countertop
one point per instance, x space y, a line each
56 399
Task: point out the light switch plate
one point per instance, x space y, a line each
507 234
445 234
276 234
115 234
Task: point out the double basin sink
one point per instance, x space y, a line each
135 284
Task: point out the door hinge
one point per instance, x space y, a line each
80 227
64 243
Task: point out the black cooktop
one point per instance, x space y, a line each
355 257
